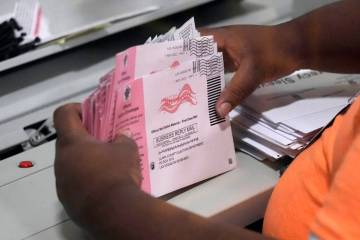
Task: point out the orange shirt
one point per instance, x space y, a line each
319 193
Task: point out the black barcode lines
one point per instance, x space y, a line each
185 34
208 67
199 47
213 92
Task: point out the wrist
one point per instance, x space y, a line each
96 214
291 46
93 198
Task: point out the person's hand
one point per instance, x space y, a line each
86 169
98 185
256 54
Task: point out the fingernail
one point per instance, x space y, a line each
123 136
224 109
127 133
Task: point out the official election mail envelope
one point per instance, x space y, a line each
163 94
172 117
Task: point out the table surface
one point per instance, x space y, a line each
30 209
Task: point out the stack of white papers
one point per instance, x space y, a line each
282 117
163 95
51 21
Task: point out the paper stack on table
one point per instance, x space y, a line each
282 117
163 95
22 30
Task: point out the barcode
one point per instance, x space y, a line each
186 32
199 47
213 91
196 66
209 67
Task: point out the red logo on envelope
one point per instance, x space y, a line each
174 64
172 103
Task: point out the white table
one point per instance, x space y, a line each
30 209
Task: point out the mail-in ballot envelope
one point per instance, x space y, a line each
163 95
172 117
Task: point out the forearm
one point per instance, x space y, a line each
326 39
128 213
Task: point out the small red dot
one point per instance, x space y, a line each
26 164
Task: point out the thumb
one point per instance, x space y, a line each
68 125
127 141
240 86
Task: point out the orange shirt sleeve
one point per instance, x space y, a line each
319 193
339 217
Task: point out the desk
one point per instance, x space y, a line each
30 209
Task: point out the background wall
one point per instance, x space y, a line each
300 7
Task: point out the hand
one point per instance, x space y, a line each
98 184
257 54
86 169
